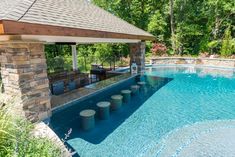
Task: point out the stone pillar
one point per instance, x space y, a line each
24 75
137 55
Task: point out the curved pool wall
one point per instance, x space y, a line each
214 62
175 119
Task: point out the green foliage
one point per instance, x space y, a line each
227 44
157 25
16 138
59 63
213 44
198 24
104 52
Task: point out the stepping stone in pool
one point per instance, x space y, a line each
135 89
126 95
87 119
116 102
104 109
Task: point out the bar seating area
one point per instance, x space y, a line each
62 82
104 108
66 81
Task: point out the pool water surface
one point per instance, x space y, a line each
187 101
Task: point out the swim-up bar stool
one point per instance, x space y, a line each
135 89
104 109
116 102
126 95
142 85
87 119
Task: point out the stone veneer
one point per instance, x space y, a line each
24 75
219 62
137 55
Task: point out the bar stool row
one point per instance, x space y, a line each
88 116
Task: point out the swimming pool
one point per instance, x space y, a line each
181 104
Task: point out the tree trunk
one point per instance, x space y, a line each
172 25
217 23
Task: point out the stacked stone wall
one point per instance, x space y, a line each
24 75
137 55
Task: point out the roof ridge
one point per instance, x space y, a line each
17 9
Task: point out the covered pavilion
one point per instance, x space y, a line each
27 25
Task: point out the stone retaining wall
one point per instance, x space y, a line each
218 62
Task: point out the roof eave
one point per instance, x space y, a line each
8 27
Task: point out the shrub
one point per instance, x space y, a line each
227 44
158 49
16 138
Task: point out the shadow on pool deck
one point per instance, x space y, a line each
103 128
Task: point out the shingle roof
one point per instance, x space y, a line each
66 13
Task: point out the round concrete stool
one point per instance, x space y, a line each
87 119
116 102
126 95
135 89
142 85
104 108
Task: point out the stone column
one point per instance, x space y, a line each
137 55
24 75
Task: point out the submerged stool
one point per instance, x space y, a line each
135 89
126 95
87 119
142 85
116 102
104 109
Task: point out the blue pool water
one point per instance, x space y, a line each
175 97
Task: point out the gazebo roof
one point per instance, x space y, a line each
65 21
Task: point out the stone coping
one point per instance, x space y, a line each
193 58
214 62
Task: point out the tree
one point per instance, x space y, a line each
157 25
173 37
